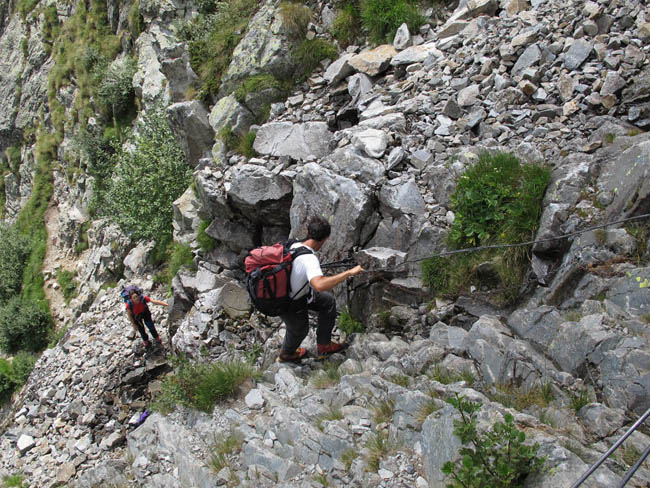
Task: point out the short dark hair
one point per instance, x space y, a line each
318 229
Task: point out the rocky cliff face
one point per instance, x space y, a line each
375 141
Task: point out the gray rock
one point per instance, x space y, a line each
452 110
351 163
228 113
234 299
339 70
373 142
261 195
254 399
468 96
379 258
601 420
299 141
577 54
25 443
531 56
415 54
358 86
402 38
189 122
186 217
136 261
613 83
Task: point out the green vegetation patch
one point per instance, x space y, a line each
493 458
68 284
497 201
14 481
25 7
14 373
349 324
206 243
212 38
347 24
511 396
202 385
241 144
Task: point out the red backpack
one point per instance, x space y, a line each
268 273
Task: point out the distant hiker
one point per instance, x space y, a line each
307 278
140 315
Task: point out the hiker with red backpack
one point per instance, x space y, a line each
310 292
139 313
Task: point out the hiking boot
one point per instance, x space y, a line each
147 345
296 357
326 350
159 343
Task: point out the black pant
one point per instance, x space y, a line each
296 320
143 319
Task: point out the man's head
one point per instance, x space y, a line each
135 298
318 229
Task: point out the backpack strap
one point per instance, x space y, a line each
296 253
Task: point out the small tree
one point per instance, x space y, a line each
147 180
497 459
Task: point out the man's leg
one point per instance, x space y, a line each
325 304
143 333
296 322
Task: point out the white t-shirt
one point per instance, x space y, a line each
303 269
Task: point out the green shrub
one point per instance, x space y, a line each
24 326
579 399
295 19
380 19
498 458
497 201
181 255
147 181
240 144
245 146
347 25
206 243
135 20
309 53
349 324
14 250
68 284
201 385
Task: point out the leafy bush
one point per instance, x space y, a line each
295 19
7 383
14 250
309 53
494 459
201 385
349 324
115 93
21 367
147 181
497 201
381 18
25 7
24 326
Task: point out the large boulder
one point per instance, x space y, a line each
298 141
260 195
228 113
265 48
186 216
345 203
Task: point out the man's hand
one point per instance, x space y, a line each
356 270
326 283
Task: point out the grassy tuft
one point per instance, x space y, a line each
380 19
331 414
206 243
579 399
224 447
67 283
383 411
447 376
347 25
511 396
377 447
327 377
348 456
201 385
295 19
308 55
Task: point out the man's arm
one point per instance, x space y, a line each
326 283
131 319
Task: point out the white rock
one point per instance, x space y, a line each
25 443
254 399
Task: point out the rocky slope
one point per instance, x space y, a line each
374 141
